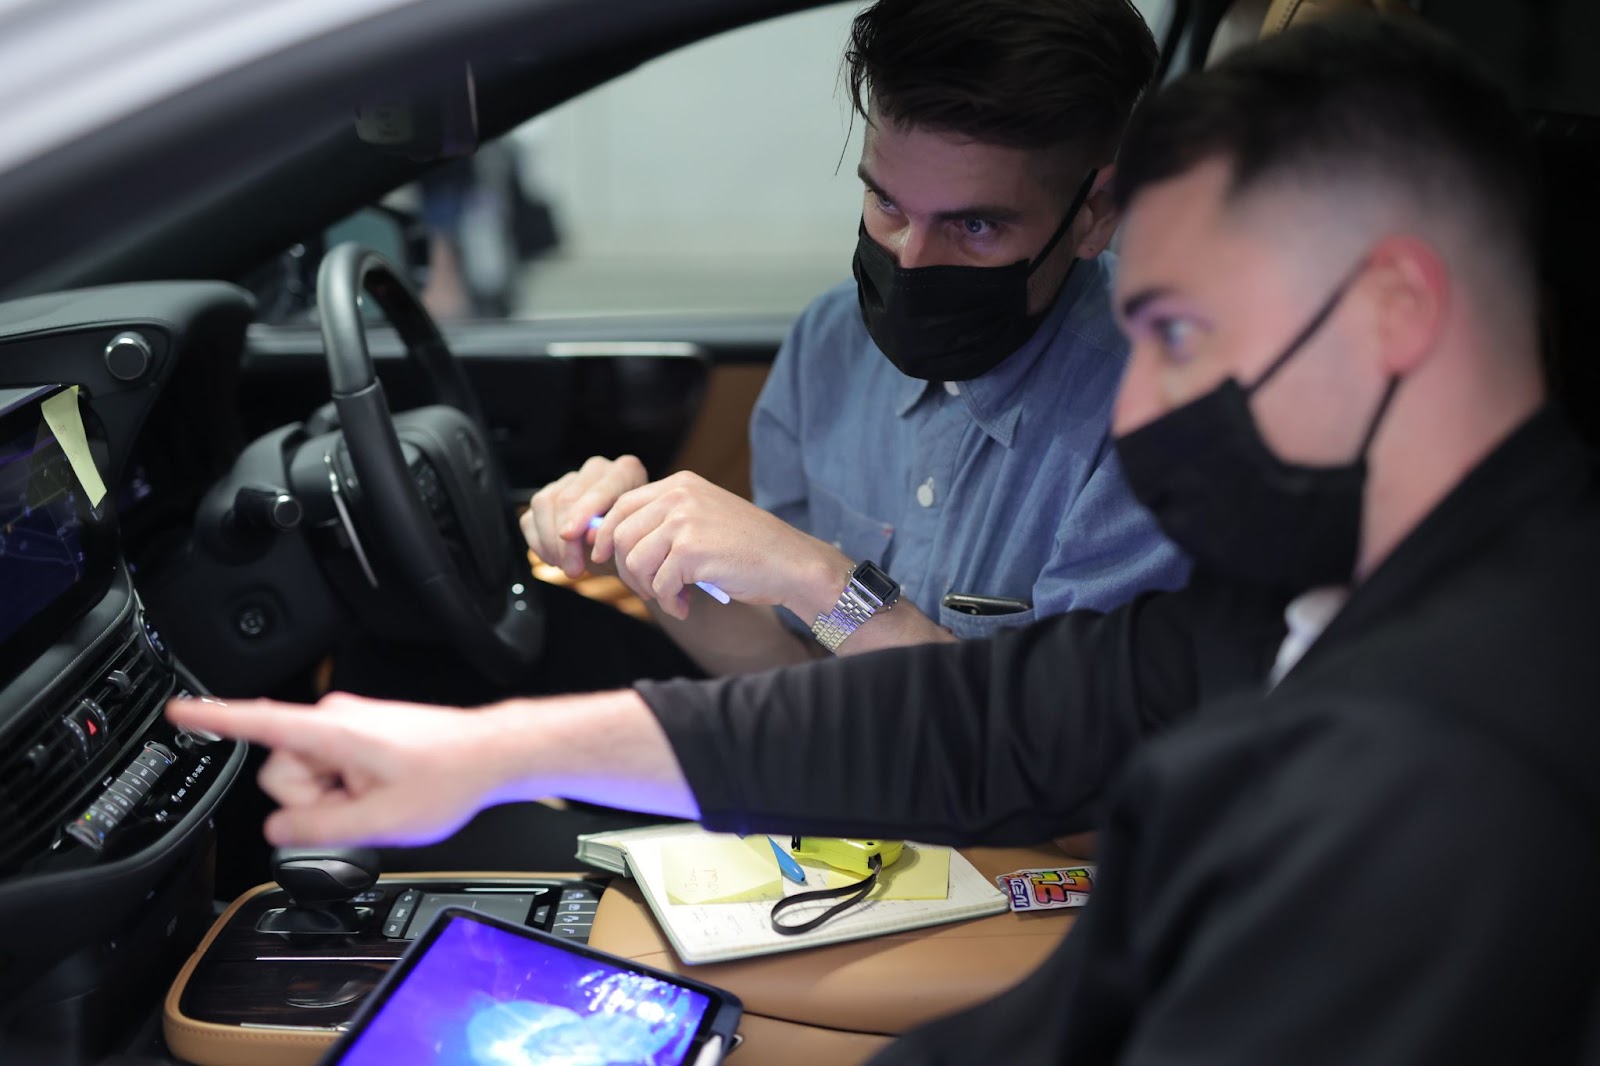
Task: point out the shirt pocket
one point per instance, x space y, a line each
858 535
977 626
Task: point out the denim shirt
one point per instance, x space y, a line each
1006 485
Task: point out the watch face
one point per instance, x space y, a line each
872 578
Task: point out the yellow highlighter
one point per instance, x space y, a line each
846 853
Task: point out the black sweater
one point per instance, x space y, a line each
1389 858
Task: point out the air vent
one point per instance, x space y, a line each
58 758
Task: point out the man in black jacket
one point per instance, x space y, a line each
1367 829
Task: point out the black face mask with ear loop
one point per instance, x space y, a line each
950 323
1220 494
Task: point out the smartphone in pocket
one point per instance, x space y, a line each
969 603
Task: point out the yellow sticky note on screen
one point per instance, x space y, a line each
61 414
921 872
720 869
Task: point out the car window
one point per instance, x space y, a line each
718 178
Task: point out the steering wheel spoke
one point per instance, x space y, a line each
426 493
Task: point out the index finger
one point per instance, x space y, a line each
625 506
276 725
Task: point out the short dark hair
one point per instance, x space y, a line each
1355 96
1019 73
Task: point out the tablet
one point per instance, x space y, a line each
478 991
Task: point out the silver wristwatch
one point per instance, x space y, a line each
867 591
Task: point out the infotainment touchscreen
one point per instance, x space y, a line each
55 552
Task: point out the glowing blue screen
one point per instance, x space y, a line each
480 996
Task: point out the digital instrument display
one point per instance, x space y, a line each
474 993
54 551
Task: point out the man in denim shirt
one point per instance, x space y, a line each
932 446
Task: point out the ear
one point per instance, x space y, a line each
1411 287
1097 218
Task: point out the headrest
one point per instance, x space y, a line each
1245 21
1285 13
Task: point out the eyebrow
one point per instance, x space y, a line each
1133 305
993 213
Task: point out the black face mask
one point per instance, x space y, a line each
1220 494
949 323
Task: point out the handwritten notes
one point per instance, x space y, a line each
720 869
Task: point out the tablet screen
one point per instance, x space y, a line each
478 995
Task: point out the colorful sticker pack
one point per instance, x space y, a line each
1043 890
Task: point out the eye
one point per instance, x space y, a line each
978 227
1175 336
883 202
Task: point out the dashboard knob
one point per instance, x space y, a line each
128 356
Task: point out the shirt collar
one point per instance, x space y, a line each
995 399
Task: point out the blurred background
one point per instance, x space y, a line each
719 178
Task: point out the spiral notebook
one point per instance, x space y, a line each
719 932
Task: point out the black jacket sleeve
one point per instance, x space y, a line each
1004 741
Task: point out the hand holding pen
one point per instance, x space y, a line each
710 590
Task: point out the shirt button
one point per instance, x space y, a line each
952 388
925 493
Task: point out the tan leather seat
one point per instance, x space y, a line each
1282 14
1250 20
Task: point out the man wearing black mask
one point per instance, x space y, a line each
1368 831
931 450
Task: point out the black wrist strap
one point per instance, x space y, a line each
856 892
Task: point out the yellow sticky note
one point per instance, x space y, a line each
921 872
720 869
61 414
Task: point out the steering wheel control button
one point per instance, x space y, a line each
128 356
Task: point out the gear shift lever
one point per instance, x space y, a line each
321 882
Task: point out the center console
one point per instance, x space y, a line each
271 986
277 978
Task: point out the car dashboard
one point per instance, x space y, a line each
106 810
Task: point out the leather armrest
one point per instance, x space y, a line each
884 984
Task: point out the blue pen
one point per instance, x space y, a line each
791 869
710 590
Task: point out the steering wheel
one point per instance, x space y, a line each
424 469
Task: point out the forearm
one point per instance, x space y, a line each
745 639
606 748
738 638
1005 742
